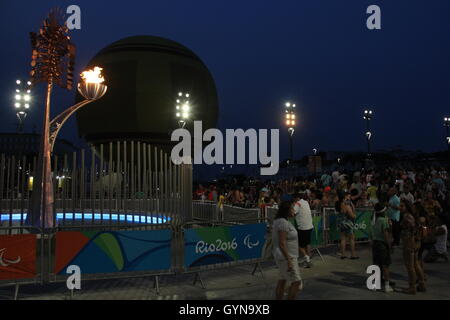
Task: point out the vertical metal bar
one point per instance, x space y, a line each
178 191
55 189
33 187
138 176
102 190
110 172
13 187
150 184
188 192
166 189
65 186
16 185
125 182
118 183
8 193
170 184
92 184
2 181
74 184
156 187
133 190
182 198
82 185
23 191
144 180
161 182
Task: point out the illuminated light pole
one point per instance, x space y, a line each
22 99
53 59
447 133
315 159
290 118
182 108
368 114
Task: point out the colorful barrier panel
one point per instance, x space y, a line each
206 246
108 252
362 225
17 256
317 233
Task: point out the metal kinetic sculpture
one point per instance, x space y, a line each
53 60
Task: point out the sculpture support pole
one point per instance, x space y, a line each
48 196
58 121
52 54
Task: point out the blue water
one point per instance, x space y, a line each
116 217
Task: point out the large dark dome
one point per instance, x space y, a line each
143 75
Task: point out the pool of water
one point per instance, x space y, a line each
97 217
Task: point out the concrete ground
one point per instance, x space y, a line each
330 279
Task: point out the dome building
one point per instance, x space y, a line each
144 75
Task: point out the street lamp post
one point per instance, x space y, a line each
53 59
368 114
22 102
183 108
315 159
290 124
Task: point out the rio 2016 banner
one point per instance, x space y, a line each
362 227
17 256
107 252
317 233
205 246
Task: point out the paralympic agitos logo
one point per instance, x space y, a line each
235 146
6 262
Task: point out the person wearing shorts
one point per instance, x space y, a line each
303 219
345 217
285 252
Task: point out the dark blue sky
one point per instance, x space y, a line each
317 53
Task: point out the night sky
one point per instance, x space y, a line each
317 53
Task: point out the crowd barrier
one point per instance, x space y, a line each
362 224
326 232
22 256
204 210
128 251
239 236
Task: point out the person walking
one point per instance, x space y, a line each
304 222
394 215
345 221
285 252
410 231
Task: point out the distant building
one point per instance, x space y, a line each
27 144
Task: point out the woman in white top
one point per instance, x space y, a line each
285 251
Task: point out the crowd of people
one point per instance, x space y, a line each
411 212
428 186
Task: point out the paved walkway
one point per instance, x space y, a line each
332 279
